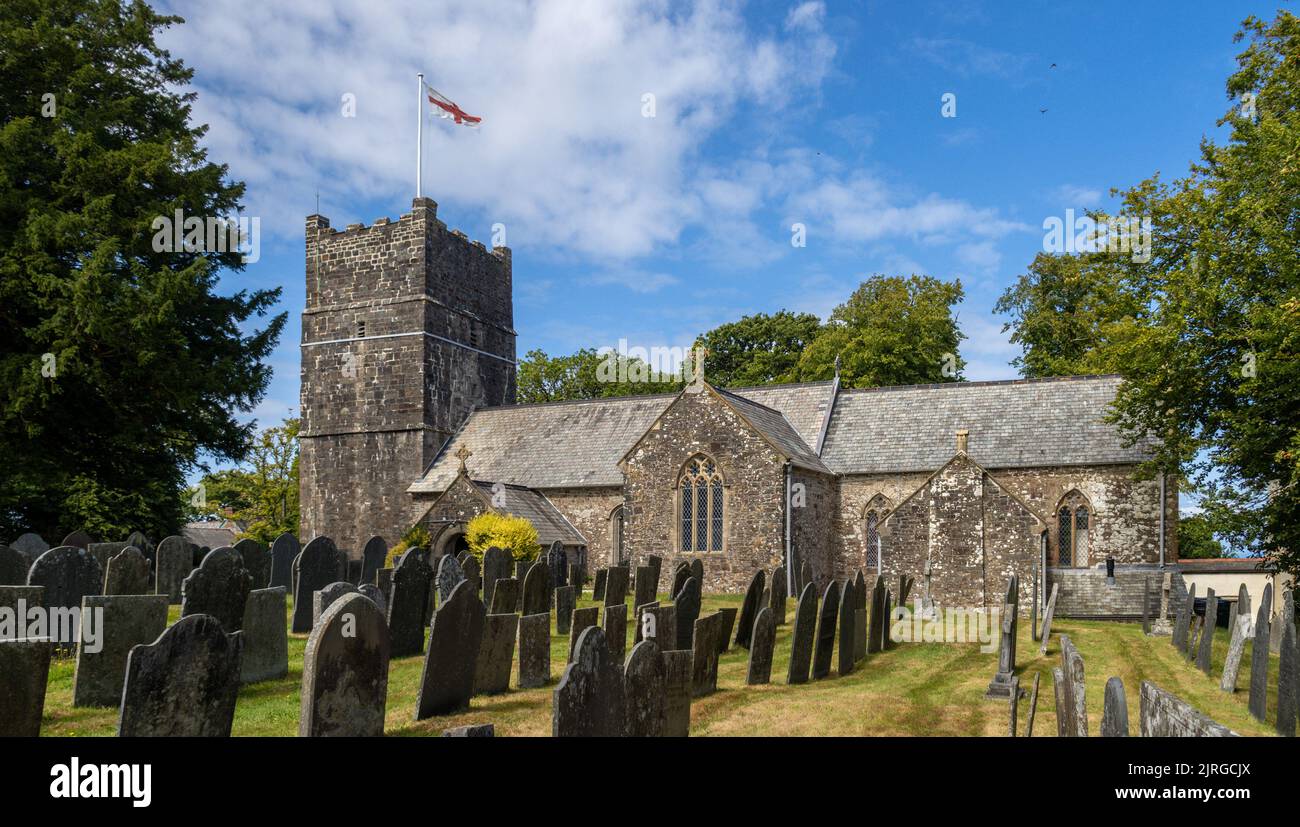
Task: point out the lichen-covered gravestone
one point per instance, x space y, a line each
406 608
778 594
127 621
320 564
534 650
616 586
803 635
257 559
450 575
345 671
174 563
184 684
589 700
496 653
582 619
376 596
565 600
1000 686
13 567
677 693
284 551
505 597
728 628
218 587
826 631
1205 647
876 626
644 691
128 573
659 623
24 672
761 643
266 637
322 599
537 591
68 574
496 566
704 662
748 609
614 623
30 546
1114 715
687 602
1165 716
447 681
1047 619
644 587
1259 656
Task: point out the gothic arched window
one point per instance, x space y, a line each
1072 531
700 505
616 535
873 539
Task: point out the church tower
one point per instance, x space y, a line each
408 326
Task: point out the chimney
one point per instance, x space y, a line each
962 434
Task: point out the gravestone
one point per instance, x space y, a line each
616 586
677 692
283 551
557 564
13 567
521 569
728 626
257 559
749 609
319 564
127 621
372 558
1165 716
406 608
1013 704
644 691
761 642
470 731
847 628
1287 677
384 582
565 600
615 626
886 642
1000 686
1114 715
1033 606
450 575
127 573
324 598
1205 647
656 563
67 574
803 636
473 572
659 623
24 673
266 636
1189 618
687 602
183 684
697 571
18 599
577 577
589 700
826 631
30 546
376 596
645 586
218 587
175 561
1072 711
1047 619
534 650
1240 629
496 653
598 589
875 629
505 597
582 620
345 671
704 659
455 636
1259 656
637 625
1033 706
859 632
537 592
78 539
680 574
140 541
1193 642
778 595
103 551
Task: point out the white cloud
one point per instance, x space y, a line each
636 281
1076 196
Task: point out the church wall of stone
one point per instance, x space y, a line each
459 504
754 476
1012 539
589 509
855 493
813 526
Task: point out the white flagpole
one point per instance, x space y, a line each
419 137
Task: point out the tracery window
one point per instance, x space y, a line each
1073 522
873 539
701 508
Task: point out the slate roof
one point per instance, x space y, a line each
536 509
773 425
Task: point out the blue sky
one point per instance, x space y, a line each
654 229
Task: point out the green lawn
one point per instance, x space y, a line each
912 689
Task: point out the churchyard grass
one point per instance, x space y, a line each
909 690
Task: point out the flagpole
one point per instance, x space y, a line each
419 137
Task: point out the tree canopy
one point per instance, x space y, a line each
757 350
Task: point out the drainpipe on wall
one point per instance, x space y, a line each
1163 508
789 548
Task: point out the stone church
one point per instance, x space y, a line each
408 416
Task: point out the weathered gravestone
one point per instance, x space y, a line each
728 626
616 586
384 582
847 628
589 700
372 558
687 602
13 567
266 637
1114 714
582 619
257 559
496 566
470 731
826 631
18 599
1189 620
644 691
1240 629
1033 706
24 673
577 577
876 628
345 671
30 546
1000 686
521 569
78 539
175 561
455 636
704 660
1259 656
473 572
537 591
697 571
406 608
67 574
638 625
183 684
1047 619
761 643
887 642
375 595
450 575
615 625
677 692
102 551
218 587
534 650
496 653
645 586
127 621
565 599
1287 674
1072 708
598 589
557 565
1165 716
127 572
803 636
680 574
749 608
319 564
1193 641
860 616
1205 646
505 597
659 623
283 552
778 593
324 598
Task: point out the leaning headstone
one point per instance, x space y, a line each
615 625
589 700
565 600
778 594
450 575
1164 716
257 559
406 607
1114 715
319 564
803 636
219 587
677 692
1194 639
496 566
749 608
505 597
30 546
174 562
826 631
645 587
1033 706
13 567
680 574
372 558
345 671
1001 683
283 551
24 673
728 624
534 650
1047 620
323 599
1287 677
496 653
266 637
1240 630
184 683
876 627
125 622
455 635
598 589
582 620
687 602
537 592
761 643
67 574
616 586
644 691
847 628
127 573
1259 656
1205 647
704 661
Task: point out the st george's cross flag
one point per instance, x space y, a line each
444 107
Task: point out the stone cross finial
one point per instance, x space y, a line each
463 453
